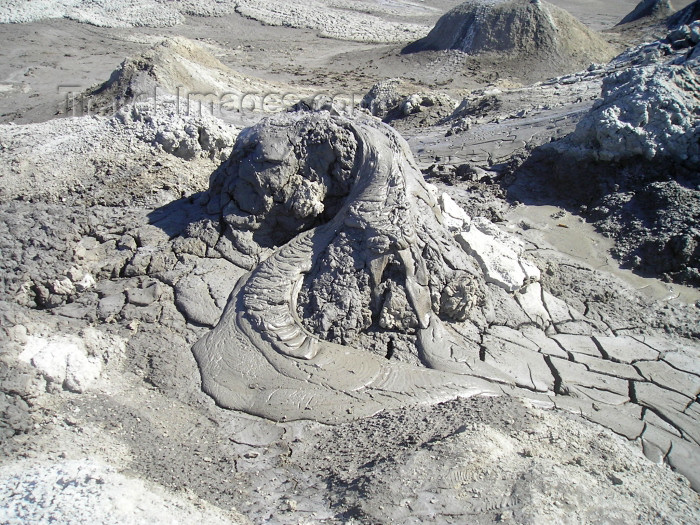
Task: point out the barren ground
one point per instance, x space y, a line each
140 442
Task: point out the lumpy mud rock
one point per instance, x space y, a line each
648 112
685 16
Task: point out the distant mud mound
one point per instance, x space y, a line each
520 27
648 9
170 65
180 67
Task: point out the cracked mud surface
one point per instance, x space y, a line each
123 238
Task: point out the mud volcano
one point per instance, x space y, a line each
370 290
648 9
522 27
370 267
176 66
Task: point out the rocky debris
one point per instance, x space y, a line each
73 363
182 136
421 102
644 113
632 161
676 48
392 101
532 30
126 147
686 36
383 97
648 9
500 256
477 106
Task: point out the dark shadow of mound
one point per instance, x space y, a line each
650 208
174 217
422 44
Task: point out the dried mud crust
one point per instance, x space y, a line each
481 460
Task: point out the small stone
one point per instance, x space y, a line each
615 480
144 296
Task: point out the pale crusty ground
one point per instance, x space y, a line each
146 427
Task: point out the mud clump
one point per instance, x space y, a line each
398 103
648 113
267 195
524 28
348 245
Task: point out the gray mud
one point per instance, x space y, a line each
480 353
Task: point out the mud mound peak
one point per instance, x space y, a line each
648 9
521 27
685 16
